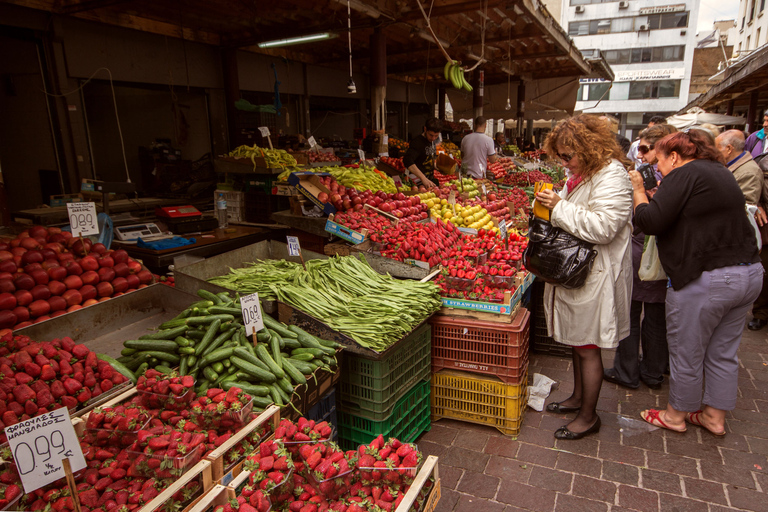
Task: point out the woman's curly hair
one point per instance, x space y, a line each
589 137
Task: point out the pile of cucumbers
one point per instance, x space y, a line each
208 341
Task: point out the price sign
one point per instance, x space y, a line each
452 198
251 308
294 249
264 131
83 219
503 228
361 154
39 445
312 142
485 191
398 181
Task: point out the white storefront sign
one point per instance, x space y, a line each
650 74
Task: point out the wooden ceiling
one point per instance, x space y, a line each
519 32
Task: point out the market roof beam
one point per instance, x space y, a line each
448 10
69 7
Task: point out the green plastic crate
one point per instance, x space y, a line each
371 389
410 417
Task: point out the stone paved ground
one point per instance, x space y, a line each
484 471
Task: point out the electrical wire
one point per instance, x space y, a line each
117 116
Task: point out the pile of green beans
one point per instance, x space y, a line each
258 276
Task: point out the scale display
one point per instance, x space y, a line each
138 230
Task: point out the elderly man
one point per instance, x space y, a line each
749 176
757 140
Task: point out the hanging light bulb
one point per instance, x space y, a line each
509 69
509 105
351 88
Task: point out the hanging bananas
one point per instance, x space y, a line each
454 73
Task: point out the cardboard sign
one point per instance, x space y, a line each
312 142
264 131
485 191
452 198
39 444
294 249
83 219
250 305
361 154
398 181
503 228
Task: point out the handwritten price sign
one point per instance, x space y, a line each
39 445
251 307
264 131
83 219
312 142
294 249
503 228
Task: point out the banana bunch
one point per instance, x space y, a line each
455 74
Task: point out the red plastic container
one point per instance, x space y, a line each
487 348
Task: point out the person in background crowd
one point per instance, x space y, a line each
707 248
595 206
713 130
648 320
632 153
749 176
499 142
477 149
756 141
614 125
421 150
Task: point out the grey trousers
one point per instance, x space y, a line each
705 321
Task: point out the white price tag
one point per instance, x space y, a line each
503 228
251 308
294 249
312 142
264 131
83 219
361 154
452 198
398 181
485 191
40 444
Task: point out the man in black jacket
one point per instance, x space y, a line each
421 150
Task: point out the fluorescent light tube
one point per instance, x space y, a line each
297 40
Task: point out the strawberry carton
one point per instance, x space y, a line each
162 452
272 471
10 496
304 431
393 462
219 409
117 425
328 468
159 391
251 500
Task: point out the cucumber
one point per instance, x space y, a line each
263 336
246 355
286 386
278 327
210 374
162 356
217 367
192 361
217 342
252 389
187 351
285 397
184 365
195 334
275 394
274 344
119 367
226 362
279 338
128 351
203 320
166 334
291 343
210 333
304 367
261 351
293 372
203 387
260 401
124 359
328 343
252 369
222 310
141 369
156 345
302 357
183 342
163 369
231 369
216 355
136 362
314 352
206 295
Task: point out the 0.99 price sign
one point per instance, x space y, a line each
83 219
251 307
40 444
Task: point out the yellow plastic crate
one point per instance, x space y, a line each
485 400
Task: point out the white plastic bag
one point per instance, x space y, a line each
650 264
751 212
539 391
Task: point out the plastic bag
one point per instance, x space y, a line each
631 426
650 264
539 391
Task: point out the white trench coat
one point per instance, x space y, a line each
598 211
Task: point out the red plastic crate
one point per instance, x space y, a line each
477 346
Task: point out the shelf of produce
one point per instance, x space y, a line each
292 316
104 326
194 277
388 169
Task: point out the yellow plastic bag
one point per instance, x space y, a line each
541 211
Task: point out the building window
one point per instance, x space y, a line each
751 10
757 39
748 47
651 54
762 5
628 24
643 90
586 2
598 91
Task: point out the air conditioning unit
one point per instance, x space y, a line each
579 9
624 4
644 28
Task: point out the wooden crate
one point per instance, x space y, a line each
219 495
201 469
216 457
429 468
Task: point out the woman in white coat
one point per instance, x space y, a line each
595 206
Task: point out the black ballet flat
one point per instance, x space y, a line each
561 409
564 433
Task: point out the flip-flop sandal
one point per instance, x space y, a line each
694 419
654 419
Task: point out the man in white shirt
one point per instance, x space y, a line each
476 149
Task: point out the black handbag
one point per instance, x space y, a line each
556 256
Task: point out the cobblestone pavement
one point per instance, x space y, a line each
483 471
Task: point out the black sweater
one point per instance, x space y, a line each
699 220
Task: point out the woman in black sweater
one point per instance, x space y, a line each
709 252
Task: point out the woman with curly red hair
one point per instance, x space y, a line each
709 252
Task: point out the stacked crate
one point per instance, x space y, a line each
388 396
541 342
235 204
480 370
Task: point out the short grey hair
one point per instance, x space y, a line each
733 137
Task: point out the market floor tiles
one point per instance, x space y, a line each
623 467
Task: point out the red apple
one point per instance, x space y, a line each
104 289
57 273
90 277
133 281
89 263
120 256
120 284
24 297
7 301
73 282
106 262
73 268
134 266
145 276
22 313
23 282
121 269
57 303
99 248
106 274
39 308
73 297
88 292
57 287
40 276
41 292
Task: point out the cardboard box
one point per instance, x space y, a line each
284 190
309 184
345 232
